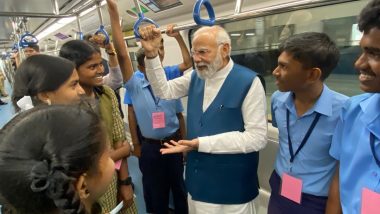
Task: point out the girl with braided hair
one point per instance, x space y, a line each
64 167
88 62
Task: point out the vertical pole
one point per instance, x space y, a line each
79 25
99 12
238 5
138 8
55 6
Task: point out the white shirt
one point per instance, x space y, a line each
114 79
254 138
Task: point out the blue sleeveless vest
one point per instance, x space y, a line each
220 178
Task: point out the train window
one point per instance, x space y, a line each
255 42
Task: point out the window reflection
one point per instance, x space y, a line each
255 41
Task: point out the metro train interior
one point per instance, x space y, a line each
256 28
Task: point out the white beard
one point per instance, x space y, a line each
211 68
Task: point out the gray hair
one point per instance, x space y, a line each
222 37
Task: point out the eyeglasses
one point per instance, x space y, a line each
203 52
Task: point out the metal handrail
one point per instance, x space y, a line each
48 15
271 10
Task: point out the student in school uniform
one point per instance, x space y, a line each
356 143
305 111
159 121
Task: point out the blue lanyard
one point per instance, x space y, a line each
303 142
372 143
156 101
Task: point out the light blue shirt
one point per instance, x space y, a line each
351 146
144 105
313 164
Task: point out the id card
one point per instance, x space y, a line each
291 188
370 202
117 164
158 119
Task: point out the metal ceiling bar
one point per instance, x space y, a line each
47 15
281 8
35 15
75 12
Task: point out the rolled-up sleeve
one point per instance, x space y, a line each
163 88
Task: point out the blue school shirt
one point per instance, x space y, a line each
351 147
312 164
138 94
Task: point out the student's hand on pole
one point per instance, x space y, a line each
170 32
150 40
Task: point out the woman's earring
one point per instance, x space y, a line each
87 192
48 102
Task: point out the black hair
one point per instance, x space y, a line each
34 47
140 56
87 37
38 168
40 73
78 51
312 50
370 17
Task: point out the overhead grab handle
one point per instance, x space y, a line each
142 19
27 39
101 29
197 13
103 32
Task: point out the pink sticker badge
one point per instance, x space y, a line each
370 202
158 119
118 165
291 188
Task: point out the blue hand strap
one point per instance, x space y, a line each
197 13
25 43
80 34
101 30
139 21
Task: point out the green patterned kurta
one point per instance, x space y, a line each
109 112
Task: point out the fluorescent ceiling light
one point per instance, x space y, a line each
235 34
64 21
250 34
56 26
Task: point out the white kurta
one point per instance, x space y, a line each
254 138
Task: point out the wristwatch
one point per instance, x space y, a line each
126 182
111 52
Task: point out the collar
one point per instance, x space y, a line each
322 106
99 90
222 73
141 76
371 113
